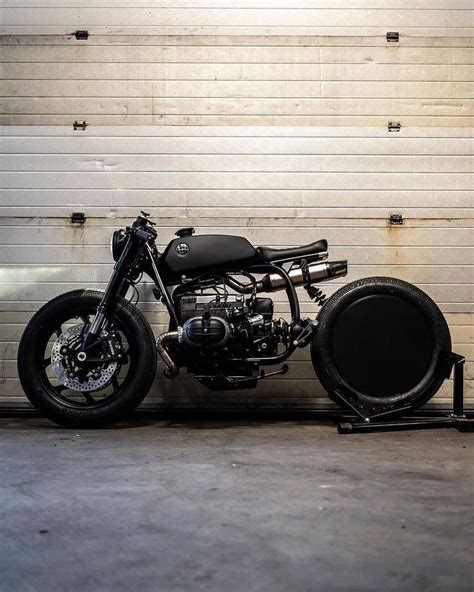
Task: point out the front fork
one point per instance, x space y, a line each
118 285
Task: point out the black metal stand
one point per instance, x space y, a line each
456 419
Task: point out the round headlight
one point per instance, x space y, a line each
117 243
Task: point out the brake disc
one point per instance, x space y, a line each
92 382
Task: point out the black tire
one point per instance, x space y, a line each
125 397
380 343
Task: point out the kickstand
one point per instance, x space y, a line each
456 419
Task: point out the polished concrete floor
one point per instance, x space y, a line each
234 506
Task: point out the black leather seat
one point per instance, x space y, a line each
311 251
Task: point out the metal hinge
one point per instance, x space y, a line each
393 37
79 125
396 219
394 126
78 218
84 35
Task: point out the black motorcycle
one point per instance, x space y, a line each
87 358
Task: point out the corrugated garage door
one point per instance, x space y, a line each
266 119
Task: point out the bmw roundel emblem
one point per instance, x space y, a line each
182 249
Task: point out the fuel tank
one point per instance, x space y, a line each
200 253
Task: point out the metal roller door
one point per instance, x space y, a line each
239 117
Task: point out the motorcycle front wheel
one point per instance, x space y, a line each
380 346
109 384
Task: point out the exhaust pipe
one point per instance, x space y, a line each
272 282
171 369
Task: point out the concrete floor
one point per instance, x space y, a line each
234 506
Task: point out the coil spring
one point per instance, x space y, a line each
316 294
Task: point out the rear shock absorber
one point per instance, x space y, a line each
316 294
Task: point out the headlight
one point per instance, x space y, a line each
117 243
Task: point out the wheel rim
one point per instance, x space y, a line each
90 398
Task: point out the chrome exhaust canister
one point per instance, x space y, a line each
318 272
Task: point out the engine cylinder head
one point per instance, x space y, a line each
205 332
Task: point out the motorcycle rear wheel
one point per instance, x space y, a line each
110 391
380 343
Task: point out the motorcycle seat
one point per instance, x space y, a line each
312 251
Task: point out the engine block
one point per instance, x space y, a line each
195 306
235 324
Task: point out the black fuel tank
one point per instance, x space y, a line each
206 252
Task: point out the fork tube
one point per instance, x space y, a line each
114 287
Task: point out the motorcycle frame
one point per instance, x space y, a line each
162 285
140 243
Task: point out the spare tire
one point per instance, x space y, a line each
381 346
